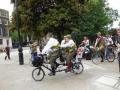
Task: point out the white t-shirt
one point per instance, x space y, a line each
50 43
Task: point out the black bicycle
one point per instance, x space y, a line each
41 62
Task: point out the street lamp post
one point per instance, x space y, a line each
20 50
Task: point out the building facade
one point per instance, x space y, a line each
4 32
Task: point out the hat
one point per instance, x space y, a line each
65 36
68 36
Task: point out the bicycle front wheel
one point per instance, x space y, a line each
96 58
38 74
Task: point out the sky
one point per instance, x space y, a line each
115 4
5 4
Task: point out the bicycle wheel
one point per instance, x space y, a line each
111 57
38 74
78 68
96 58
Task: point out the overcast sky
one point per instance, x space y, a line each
5 4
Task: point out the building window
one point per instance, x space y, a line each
5 22
1 41
7 41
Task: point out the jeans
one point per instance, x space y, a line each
33 55
106 52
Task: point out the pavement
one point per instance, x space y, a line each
94 77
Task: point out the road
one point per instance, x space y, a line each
94 77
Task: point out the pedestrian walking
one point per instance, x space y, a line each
7 51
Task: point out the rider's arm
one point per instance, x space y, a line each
118 45
63 42
87 43
68 44
96 42
111 40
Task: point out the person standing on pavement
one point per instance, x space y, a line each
7 51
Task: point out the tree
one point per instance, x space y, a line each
38 17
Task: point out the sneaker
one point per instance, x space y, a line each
51 74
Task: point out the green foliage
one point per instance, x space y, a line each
62 17
14 35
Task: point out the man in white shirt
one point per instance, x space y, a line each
52 51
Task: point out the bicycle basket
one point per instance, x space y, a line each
38 61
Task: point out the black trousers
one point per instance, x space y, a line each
7 55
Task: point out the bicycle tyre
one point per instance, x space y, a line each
78 68
36 73
96 58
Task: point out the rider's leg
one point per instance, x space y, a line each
53 57
68 60
52 66
102 55
106 51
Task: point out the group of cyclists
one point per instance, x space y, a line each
53 47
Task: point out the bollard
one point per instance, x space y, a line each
21 59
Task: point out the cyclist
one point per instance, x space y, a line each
100 43
69 47
84 45
52 51
85 42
